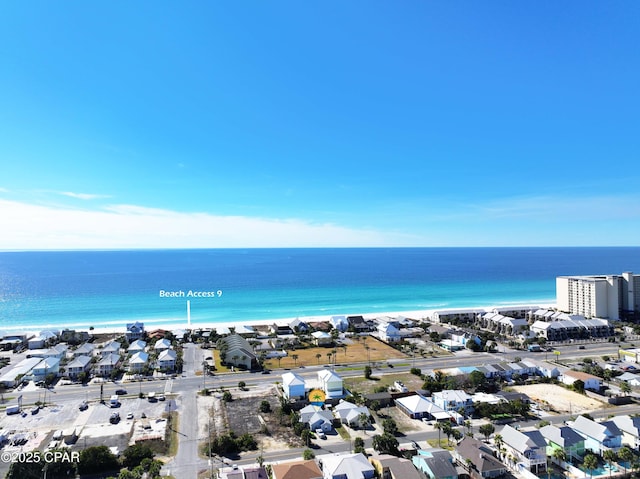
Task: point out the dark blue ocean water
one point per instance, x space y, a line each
109 288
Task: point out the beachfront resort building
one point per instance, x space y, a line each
600 296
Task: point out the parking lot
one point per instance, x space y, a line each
92 426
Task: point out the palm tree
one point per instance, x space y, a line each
318 356
610 456
590 462
497 440
559 455
295 359
438 426
625 388
625 454
468 426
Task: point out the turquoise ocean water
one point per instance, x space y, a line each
110 288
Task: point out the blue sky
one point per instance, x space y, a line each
223 124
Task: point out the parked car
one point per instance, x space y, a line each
320 433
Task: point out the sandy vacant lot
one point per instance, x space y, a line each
559 399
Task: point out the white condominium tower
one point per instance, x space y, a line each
601 296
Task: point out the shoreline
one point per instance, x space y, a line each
420 315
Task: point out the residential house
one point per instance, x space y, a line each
352 414
346 466
331 384
316 418
418 407
42 339
435 463
529 448
80 364
157 334
453 400
281 329
630 378
392 467
112 347
477 459
138 362
543 368
299 326
339 322
254 471
564 438
358 324
630 428
85 349
137 346
388 333
167 360
293 386
134 331
322 338
45 367
599 436
108 364
590 381
162 345
71 336
236 351
296 470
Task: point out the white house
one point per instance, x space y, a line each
322 338
162 344
346 466
352 414
417 407
85 349
529 448
331 384
112 347
137 346
388 332
453 400
138 362
44 367
590 381
339 322
107 364
167 360
80 364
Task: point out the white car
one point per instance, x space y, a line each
320 433
130 415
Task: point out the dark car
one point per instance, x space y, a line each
580 347
121 392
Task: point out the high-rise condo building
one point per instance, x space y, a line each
601 296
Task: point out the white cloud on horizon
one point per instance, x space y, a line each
30 226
